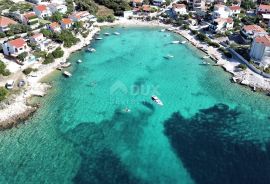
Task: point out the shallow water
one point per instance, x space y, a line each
208 131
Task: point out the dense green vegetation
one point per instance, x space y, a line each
22 56
27 71
242 66
57 17
108 18
17 29
58 53
67 38
3 70
3 93
48 59
118 6
88 5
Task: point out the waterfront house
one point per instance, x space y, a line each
42 11
35 1
197 5
39 40
260 49
15 47
137 3
66 23
31 19
128 14
55 7
263 9
80 16
5 22
249 32
221 11
58 1
266 19
54 27
221 25
179 9
146 8
235 10
159 2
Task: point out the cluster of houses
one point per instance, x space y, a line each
221 19
15 47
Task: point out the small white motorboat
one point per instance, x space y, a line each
175 42
116 33
169 56
79 61
162 30
67 74
183 42
107 34
99 38
205 63
91 49
157 100
65 65
205 57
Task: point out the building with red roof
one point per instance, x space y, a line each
179 9
55 27
260 49
235 9
5 22
249 32
31 19
66 23
221 25
81 16
42 11
263 9
15 47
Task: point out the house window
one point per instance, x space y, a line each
16 50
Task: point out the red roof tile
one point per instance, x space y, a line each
265 40
264 7
146 8
4 21
29 14
254 28
179 6
19 42
41 8
233 8
54 25
66 21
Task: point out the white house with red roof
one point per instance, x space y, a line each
263 9
260 49
42 11
31 19
5 22
66 23
235 10
55 27
40 41
80 16
179 9
221 25
15 47
249 32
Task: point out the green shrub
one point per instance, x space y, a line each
3 70
58 53
48 59
22 56
242 66
3 93
29 70
214 44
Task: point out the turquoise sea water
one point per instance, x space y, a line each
208 131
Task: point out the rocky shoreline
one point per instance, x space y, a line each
16 109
